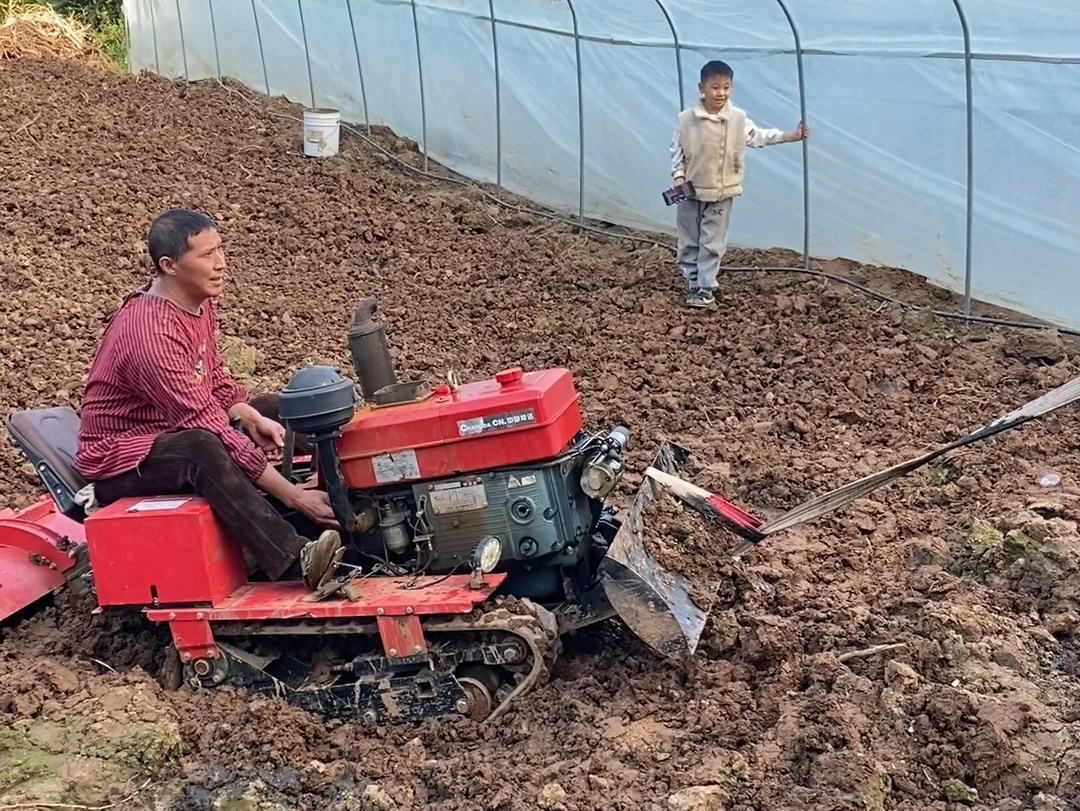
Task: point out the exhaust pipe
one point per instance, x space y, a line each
370 351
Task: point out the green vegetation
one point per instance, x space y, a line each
105 19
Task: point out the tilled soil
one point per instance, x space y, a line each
790 387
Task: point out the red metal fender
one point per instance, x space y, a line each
40 550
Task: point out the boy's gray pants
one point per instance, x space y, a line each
703 233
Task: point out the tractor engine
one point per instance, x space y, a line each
494 475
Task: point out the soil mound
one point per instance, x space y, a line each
915 651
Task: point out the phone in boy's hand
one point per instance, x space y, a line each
676 194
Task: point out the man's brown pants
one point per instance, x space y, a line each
195 461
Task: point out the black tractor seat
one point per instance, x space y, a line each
49 438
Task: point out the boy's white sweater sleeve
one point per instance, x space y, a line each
758 137
678 158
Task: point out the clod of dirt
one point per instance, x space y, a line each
685 542
855 777
1047 508
552 797
699 798
983 538
923 319
375 799
1048 802
723 768
721 632
1044 345
901 676
957 791
240 357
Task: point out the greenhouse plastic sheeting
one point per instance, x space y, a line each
884 90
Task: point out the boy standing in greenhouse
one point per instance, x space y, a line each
708 151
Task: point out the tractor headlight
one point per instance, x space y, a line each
486 554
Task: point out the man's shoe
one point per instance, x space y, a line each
319 559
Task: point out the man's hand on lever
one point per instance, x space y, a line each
264 432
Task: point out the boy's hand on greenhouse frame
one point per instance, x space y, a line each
801 133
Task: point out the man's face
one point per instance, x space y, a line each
201 269
715 92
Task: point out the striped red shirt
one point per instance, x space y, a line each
157 370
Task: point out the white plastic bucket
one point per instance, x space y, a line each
322 130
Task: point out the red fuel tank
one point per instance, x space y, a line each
516 418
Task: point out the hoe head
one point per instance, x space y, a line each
662 608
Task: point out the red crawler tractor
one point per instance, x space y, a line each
477 528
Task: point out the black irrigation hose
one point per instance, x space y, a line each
955 316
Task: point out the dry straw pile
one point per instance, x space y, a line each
33 30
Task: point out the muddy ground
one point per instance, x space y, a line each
967 571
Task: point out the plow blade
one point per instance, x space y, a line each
654 603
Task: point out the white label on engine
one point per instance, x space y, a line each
457 498
395 467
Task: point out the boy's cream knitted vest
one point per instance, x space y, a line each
714 151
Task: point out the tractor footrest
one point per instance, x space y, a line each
378 596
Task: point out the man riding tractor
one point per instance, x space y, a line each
161 415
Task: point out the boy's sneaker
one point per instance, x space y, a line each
700 299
